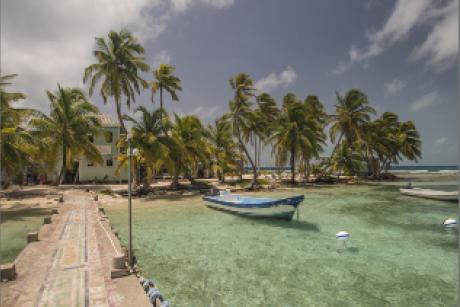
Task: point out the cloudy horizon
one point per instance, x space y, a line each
401 53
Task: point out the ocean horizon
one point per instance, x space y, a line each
422 168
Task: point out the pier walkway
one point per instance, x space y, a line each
70 264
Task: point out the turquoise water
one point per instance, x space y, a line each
14 228
399 254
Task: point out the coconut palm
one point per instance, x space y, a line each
241 116
151 141
266 114
386 141
409 141
223 148
17 144
191 147
166 81
296 135
315 110
347 161
119 60
72 119
352 113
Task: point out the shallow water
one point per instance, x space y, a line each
14 228
399 253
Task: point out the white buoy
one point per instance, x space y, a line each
450 222
342 235
342 238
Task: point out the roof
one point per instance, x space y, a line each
107 121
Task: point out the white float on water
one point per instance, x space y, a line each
450 222
342 238
342 235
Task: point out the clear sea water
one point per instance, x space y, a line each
14 228
399 253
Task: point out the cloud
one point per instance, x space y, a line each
442 140
183 5
161 58
48 41
407 14
206 114
425 102
441 46
273 80
393 87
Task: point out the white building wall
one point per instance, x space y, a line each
109 151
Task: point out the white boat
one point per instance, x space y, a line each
431 194
254 206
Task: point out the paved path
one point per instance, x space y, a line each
70 265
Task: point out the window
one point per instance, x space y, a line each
109 162
109 137
91 138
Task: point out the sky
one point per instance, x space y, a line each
403 54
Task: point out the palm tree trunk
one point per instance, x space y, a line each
255 151
77 175
175 179
63 168
254 169
161 97
336 146
293 164
120 118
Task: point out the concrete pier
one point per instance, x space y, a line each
71 265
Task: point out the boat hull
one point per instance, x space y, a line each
279 209
431 194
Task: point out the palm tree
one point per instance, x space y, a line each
266 114
297 134
119 60
315 110
222 147
409 141
347 161
241 116
17 144
386 140
151 141
67 129
165 80
352 113
191 146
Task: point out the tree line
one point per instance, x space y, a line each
296 131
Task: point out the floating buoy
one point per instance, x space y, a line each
342 239
450 222
342 235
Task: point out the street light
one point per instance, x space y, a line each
130 156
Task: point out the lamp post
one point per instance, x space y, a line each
130 155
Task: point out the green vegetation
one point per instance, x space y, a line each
66 129
16 141
183 145
119 60
165 81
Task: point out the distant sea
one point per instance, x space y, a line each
425 168
396 168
